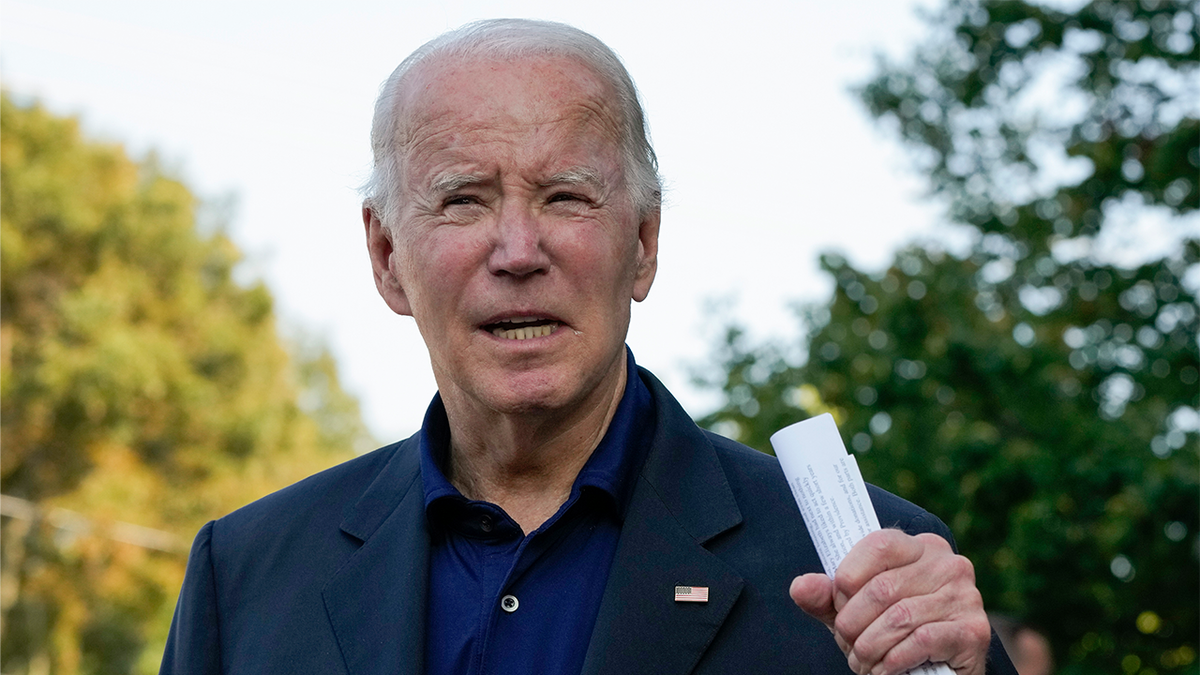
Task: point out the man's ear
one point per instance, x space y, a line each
387 281
647 263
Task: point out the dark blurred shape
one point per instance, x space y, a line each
1028 649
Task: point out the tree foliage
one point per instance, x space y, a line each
1038 390
143 391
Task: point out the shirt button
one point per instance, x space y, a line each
509 603
485 523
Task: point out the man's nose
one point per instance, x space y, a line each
518 249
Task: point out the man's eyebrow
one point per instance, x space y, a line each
449 182
577 175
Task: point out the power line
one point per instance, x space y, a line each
78 524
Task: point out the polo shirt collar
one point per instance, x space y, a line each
611 470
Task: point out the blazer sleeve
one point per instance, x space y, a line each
194 643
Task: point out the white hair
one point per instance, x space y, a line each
506 39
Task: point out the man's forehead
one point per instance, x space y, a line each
547 113
524 85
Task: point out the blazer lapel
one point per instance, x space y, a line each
640 627
376 601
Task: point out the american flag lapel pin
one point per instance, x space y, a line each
691 594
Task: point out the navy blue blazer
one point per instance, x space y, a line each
328 575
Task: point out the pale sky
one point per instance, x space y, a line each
767 157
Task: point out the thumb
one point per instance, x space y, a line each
813 593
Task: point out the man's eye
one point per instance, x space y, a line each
564 197
461 200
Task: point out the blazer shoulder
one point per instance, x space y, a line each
741 457
326 495
900 513
749 467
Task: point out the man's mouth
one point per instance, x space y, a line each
522 328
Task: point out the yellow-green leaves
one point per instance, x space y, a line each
141 386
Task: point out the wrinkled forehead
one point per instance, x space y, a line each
518 90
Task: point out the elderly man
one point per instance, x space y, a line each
556 494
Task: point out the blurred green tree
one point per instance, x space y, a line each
1038 389
143 391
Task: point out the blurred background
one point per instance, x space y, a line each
967 229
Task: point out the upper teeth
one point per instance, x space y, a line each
525 333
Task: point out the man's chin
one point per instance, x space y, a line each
544 392
519 399
537 386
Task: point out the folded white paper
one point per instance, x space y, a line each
831 494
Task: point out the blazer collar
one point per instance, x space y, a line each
376 601
681 501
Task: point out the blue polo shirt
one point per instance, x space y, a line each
501 601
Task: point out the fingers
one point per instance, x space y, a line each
902 600
881 577
878 552
948 625
813 593
955 643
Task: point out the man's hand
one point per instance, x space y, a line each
898 601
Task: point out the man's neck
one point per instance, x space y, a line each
527 463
